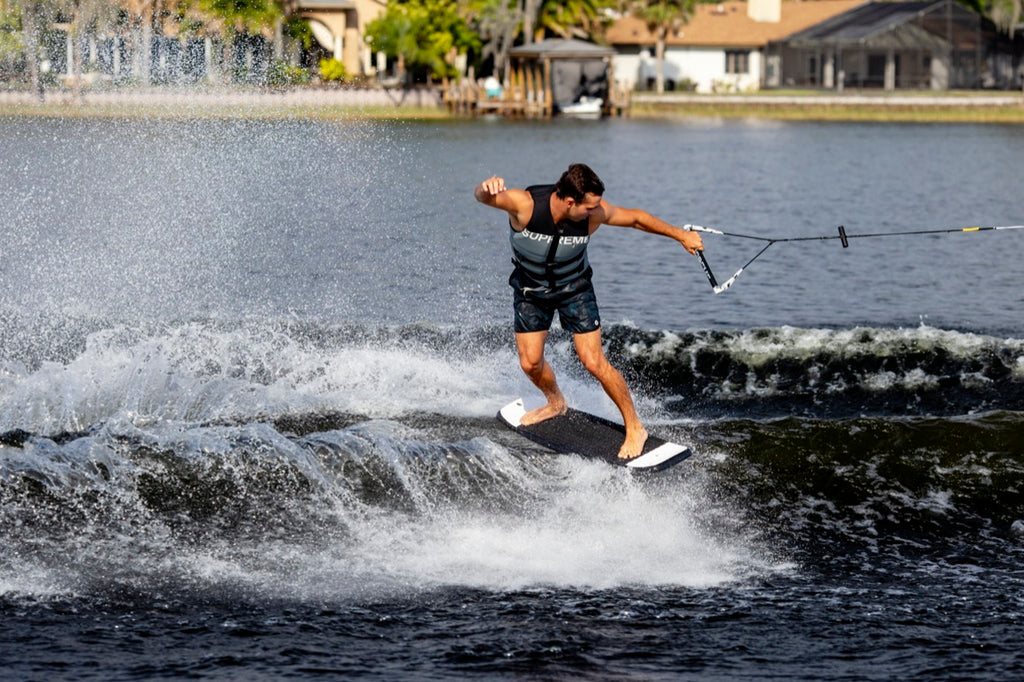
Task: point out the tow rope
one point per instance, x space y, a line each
843 237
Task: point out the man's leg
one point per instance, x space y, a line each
531 358
591 354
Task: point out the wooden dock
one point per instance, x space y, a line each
528 74
524 96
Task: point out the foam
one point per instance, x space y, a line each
377 508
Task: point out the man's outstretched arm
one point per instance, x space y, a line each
642 220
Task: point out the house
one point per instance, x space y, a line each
721 49
931 44
172 55
338 27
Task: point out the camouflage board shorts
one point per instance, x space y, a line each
535 307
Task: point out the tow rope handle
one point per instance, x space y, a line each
719 288
707 270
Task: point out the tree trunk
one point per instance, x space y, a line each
279 39
146 44
28 19
75 41
659 59
228 56
530 8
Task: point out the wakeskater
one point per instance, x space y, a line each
551 227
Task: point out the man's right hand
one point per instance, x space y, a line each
489 187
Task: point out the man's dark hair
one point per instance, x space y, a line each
576 182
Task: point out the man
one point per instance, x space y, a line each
551 227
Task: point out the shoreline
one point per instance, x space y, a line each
427 104
228 103
921 107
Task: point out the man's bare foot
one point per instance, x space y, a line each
546 412
634 444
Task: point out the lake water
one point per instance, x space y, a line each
249 372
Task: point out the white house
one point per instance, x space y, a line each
721 49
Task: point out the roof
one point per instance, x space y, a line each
360 6
324 5
560 48
883 21
727 24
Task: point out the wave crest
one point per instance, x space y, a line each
772 371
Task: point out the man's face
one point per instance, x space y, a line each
583 209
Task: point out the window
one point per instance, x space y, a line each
737 62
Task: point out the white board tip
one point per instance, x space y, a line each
657 456
513 413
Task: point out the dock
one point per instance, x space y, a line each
545 79
522 98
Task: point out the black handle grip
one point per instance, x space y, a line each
707 270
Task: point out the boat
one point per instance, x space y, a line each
583 107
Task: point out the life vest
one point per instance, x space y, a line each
546 254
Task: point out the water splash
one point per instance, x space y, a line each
375 508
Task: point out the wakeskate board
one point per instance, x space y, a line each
592 437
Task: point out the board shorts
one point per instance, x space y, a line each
576 304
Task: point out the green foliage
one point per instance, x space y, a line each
664 15
10 32
423 35
244 16
282 74
332 71
297 28
12 46
572 18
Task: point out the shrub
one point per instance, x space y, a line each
332 70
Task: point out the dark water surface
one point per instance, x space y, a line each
249 371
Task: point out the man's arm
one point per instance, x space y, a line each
642 220
516 202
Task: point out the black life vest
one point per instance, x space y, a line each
546 254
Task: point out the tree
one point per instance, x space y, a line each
422 35
662 18
13 47
528 11
1005 14
243 16
569 18
498 23
239 19
565 18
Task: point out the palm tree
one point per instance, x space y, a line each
569 18
1005 14
662 18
